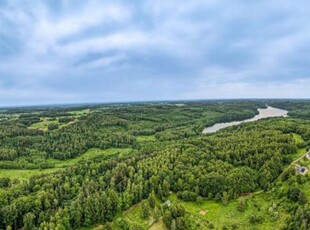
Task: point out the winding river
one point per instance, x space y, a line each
262 113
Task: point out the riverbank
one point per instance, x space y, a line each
262 113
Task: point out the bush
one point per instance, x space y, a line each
4 182
187 196
254 219
52 126
242 205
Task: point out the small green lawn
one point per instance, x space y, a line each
298 138
22 174
133 215
146 138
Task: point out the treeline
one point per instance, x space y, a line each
296 108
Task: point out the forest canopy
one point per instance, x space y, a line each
168 154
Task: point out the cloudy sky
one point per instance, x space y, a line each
54 51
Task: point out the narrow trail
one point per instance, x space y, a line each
294 163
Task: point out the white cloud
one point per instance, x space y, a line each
196 49
275 89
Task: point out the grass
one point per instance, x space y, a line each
298 138
79 112
90 154
158 226
146 138
133 215
306 188
22 174
226 215
45 121
43 124
218 214
299 153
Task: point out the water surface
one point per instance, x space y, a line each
262 113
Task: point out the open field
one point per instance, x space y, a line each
227 215
220 215
24 174
90 154
43 124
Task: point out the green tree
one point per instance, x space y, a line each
145 212
242 205
29 221
9 215
225 198
302 198
152 200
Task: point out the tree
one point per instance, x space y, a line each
145 209
225 198
62 219
217 197
52 126
302 198
166 188
242 205
156 214
152 200
293 193
9 215
122 224
29 221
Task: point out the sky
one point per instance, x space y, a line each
68 51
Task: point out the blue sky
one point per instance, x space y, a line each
55 51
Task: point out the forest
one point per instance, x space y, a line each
153 167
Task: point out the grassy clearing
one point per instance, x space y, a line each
220 215
91 153
46 121
227 215
146 138
80 112
298 138
43 124
22 174
158 226
133 215
306 188
299 153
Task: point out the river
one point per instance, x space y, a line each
262 113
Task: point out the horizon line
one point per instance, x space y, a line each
80 104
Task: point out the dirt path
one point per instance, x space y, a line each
298 159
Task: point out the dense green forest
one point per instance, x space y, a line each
148 166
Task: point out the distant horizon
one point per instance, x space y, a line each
80 104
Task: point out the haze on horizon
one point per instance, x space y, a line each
55 52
